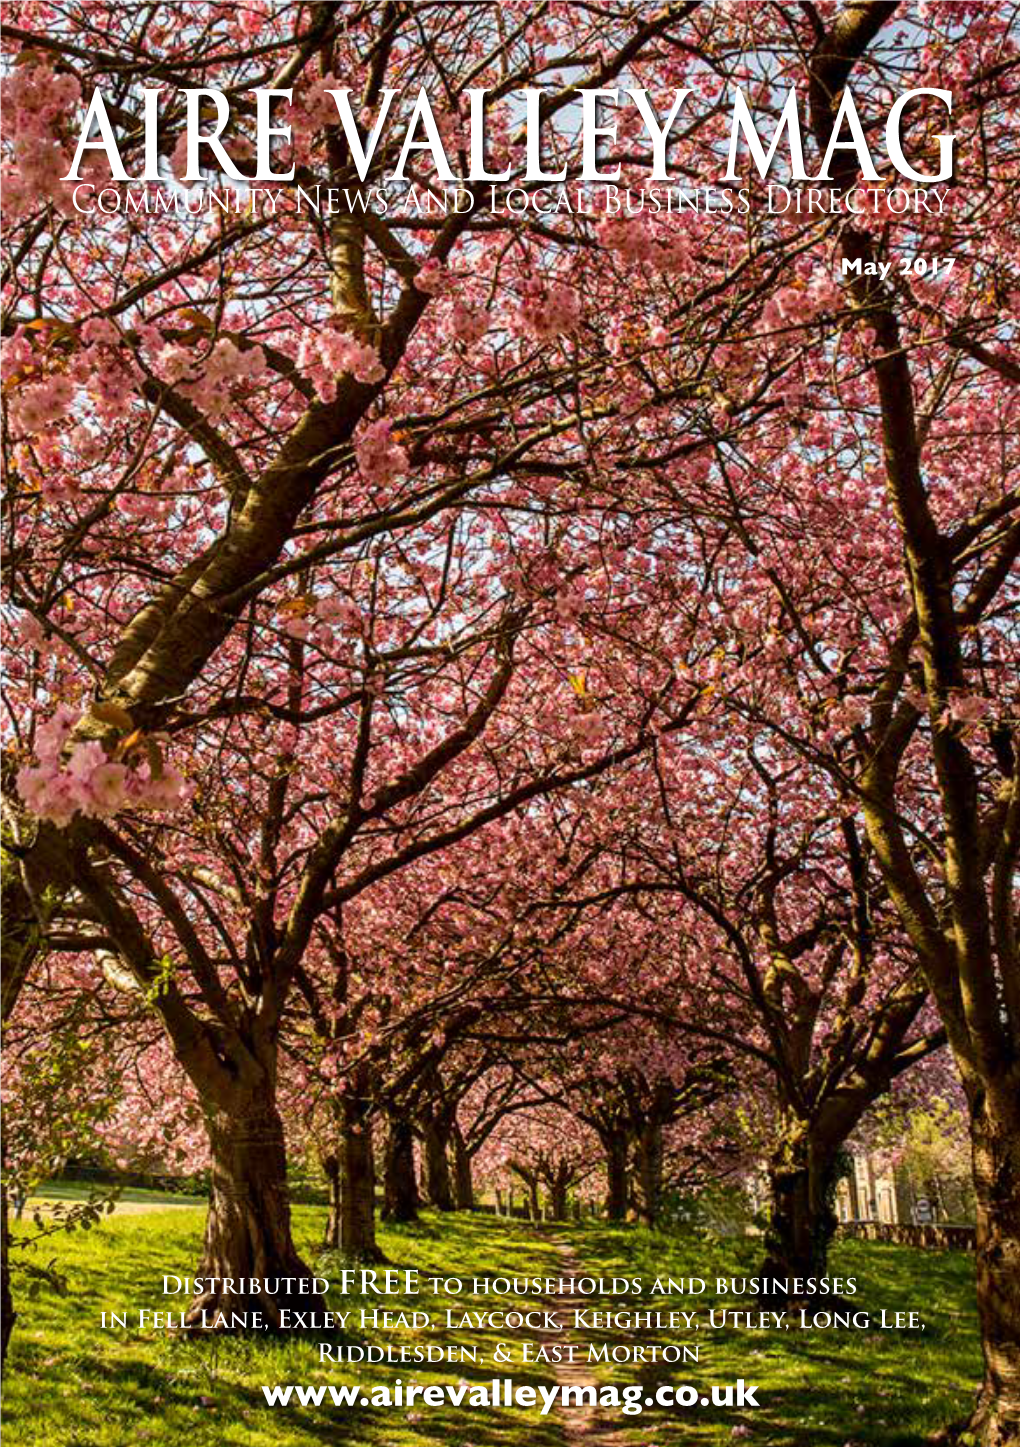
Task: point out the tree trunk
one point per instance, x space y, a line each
938 1197
995 1137
357 1189
438 1189
617 1186
558 1194
400 1187
462 1173
8 1316
332 1170
802 1178
350 1174
23 940
247 1232
530 1178
650 1172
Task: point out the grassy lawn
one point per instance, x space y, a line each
69 1382
132 1198
116 1387
817 1388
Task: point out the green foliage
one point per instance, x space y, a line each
160 982
933 1152
721 1209
65 1094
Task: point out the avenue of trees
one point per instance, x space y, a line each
513 700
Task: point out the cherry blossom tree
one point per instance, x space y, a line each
332 563
202 483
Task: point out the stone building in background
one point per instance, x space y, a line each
875 1190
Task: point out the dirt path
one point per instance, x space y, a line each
583 1426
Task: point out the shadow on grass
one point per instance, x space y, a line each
73 1384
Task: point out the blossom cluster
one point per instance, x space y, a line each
316 621
548 312
36 100
46 380
467 323
226 366
84 779
380 456
798 304
38 405
325 354
638 241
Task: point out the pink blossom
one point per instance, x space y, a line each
169 791
48 794
100 329
37 102
108 786
380 458
226 367
431 278
337 609
325 355
16 355
39 404
468 323
89 782
85 759
968 708
545 313
52 734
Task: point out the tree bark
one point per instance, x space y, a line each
248 1232
650 1172
357 1189
438 1189
995 1137
558 1193
465 1189
8 1316
802 1176
331 1168
617 1185
400 1187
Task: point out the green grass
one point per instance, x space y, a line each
115 1387
816 1389
133 1195
72 1384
